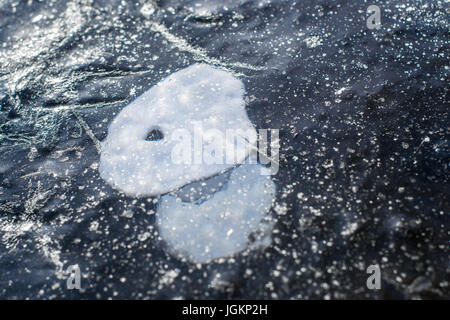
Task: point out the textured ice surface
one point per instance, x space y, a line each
197 99
364 174
219 226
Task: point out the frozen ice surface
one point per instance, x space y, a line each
219 226
199 100
364 146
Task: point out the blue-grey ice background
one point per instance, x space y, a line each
364 127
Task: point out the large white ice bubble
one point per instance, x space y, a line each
220 225
212 208
199 97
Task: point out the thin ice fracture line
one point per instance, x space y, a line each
199 53
88 131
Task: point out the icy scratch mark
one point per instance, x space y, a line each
12 231
88 130
32 203
53 254
199 53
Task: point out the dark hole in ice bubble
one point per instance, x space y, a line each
155 135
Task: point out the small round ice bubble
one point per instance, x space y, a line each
139 155
220 225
